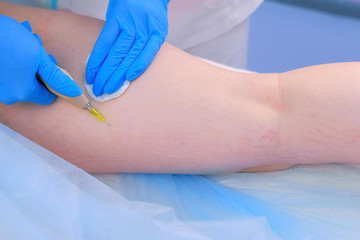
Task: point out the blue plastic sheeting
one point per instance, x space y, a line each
45 197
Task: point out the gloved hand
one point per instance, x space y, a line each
132 35
21 57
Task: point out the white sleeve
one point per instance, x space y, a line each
192 22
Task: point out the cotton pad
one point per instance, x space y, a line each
105 97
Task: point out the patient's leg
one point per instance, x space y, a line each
182 115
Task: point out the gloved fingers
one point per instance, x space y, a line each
115 57
55 78
27 25
145 58
118 78
40 95
52 58
115 82
103 44
38 39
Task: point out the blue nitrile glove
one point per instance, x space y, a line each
132 35
21 57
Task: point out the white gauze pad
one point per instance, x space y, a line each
105 97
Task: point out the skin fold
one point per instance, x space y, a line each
186 116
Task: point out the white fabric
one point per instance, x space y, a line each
193 22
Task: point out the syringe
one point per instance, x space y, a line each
81 101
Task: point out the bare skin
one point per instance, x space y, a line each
186 116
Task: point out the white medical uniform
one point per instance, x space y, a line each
212 29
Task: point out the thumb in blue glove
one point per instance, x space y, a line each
132 35
22 56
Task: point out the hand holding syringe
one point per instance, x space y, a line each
80 101
24 61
